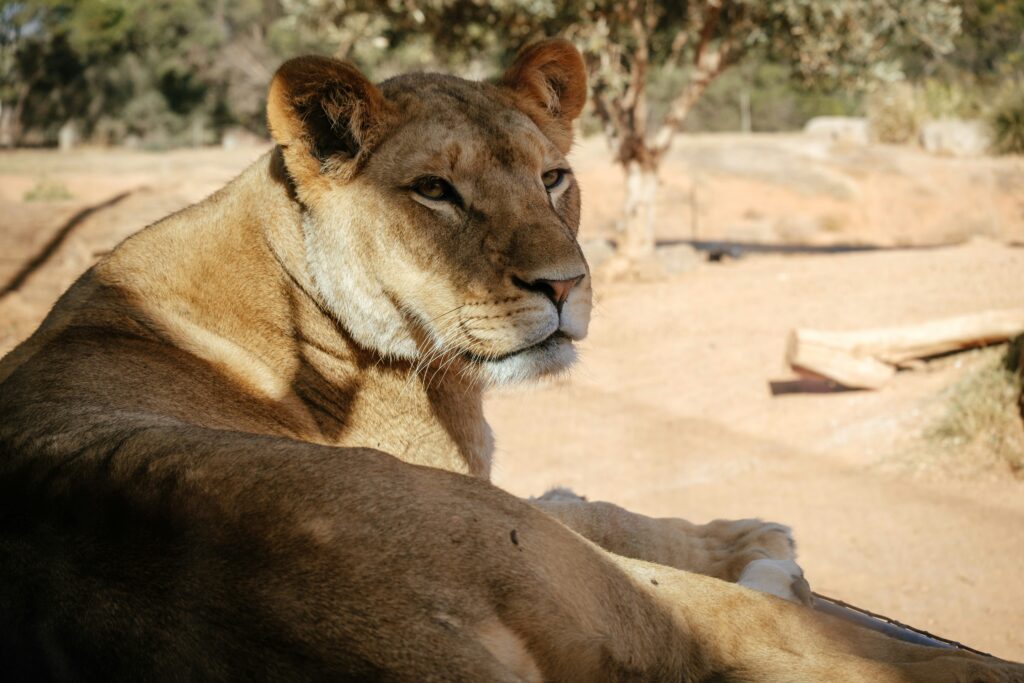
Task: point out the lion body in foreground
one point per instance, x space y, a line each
238 447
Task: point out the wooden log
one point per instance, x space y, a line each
867 359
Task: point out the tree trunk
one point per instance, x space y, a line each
6 126
12 124
745 124
639 210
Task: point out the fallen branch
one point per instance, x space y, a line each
867 359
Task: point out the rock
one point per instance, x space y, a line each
955 137
678 258
664 262
597 252
851 130
237 137
67 136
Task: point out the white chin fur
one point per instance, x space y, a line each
532 364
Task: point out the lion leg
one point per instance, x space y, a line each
241 557
624 619
575 612
748 636
755 554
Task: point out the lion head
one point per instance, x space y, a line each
440 214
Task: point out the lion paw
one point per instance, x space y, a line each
782 578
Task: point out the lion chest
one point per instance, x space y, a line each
431 427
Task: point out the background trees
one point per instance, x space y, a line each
844 43
163 72
168 72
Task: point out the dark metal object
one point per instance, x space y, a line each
885 625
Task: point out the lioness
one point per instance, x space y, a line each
249 443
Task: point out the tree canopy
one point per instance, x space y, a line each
179 71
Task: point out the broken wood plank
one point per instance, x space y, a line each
810 357
867 359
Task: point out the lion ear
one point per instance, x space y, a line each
324 114
549 83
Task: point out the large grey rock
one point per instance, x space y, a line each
663 262
597 252
237 137
850 130
955 137
678 258
67 136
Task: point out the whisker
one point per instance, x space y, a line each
457 308
438 352
446 365
451 351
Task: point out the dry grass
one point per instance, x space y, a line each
981 420
894 114
46 190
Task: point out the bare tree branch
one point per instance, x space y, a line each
710 23
675 52
712 66
354 36
708 65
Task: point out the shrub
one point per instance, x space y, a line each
894 114
982 418
952 99
1007 121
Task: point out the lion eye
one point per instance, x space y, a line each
435 188
553 178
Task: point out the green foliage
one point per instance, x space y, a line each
944 99
1007 122
851 42
776 101
682 49
987 52
167 72
152 70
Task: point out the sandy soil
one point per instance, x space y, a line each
669 412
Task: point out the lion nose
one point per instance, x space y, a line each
555 290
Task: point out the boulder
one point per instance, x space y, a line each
678 258
955 137
597 252
67 136
850 130
237 137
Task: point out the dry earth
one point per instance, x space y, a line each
670 412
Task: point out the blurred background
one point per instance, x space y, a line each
760 178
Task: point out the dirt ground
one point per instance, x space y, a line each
670 412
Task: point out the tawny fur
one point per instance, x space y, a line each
237 447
